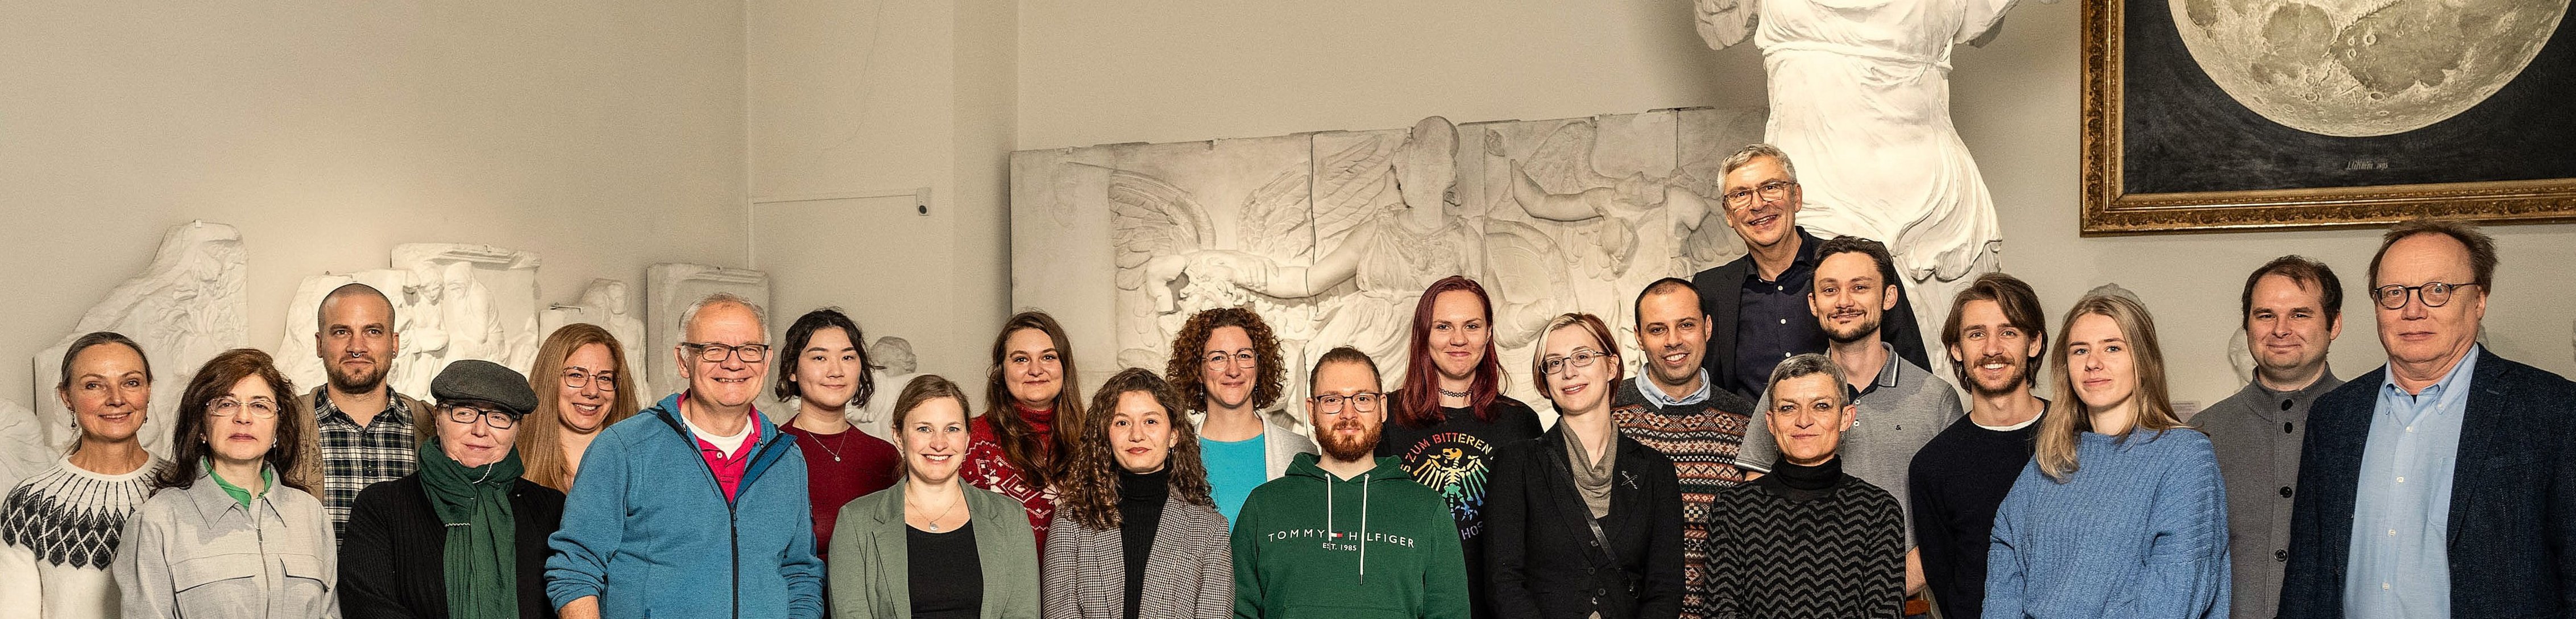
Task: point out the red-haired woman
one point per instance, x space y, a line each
1450 414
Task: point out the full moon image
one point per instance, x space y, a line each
2356 68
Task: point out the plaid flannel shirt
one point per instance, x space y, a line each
354 457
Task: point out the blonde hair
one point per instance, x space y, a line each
2061 431
540 443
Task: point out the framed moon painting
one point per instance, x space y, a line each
2210 115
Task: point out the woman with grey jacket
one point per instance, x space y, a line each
224 534
1135 533
933 546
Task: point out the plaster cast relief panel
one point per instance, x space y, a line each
669 288
183 309
452 301
603 303
1332 236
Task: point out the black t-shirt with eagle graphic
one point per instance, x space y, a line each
1453 458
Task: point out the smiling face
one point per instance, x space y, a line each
1575 388
1229 382
1996 353
2430 337
356 340
828 369
1141 432
934 440
2288 328
474 442
1807 416
1347 433
1032 369
1764 223
1674 334
1459 334
580 409
109 394
1849 296
730 382
243 436
2099 363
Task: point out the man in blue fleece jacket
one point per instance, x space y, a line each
696 507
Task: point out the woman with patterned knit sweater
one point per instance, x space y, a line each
58 529
1807 541
1017 442
2121 513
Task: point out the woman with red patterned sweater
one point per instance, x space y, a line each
1032 404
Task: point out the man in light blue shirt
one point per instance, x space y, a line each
2441 484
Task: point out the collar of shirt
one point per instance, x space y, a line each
1886 371
1654 394
2445 395
326 411
2272 411
1798 266
216 505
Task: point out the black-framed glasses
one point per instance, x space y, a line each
2434 294
1241 359
463 414
1768 190
1364 401
229 406
717 353
576 379
1582 358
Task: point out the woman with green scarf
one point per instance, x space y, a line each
464 537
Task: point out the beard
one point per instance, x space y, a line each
344 382
1352 450
1857 332
2015 371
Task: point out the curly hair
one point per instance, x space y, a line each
1188 357
1090 481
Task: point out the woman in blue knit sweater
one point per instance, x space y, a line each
2121 512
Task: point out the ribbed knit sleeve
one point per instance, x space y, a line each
2006 570
2186 565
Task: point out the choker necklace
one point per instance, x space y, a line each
1453 394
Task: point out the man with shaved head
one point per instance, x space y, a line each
364 430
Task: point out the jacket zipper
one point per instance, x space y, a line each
733 516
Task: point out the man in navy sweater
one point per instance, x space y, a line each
2441 484
1997 337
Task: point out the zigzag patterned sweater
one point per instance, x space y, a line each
1806 543
58 533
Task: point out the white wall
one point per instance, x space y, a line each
895 94
1107 72
603 135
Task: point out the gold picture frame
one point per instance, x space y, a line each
2109 208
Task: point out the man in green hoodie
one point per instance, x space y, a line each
1380 546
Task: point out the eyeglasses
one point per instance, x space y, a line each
575 379
468 415
716 353
1365 401
2434 294
1769 190
1243 359
230 407
1582 358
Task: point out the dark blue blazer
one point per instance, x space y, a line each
2513 496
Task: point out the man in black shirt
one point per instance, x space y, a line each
1996 337
1757 304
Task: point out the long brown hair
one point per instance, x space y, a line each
286 454
1419 405
1022 447
2061 430
540 439
1187 358
1090 481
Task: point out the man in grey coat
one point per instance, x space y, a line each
2293 309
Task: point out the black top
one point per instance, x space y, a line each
1140 511
1772 319
393 564
1453 458
947 577
1742 366
1799 482
1957 480
1545 560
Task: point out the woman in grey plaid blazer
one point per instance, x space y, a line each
1135 533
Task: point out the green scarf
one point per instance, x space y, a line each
482 553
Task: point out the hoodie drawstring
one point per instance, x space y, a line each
1364 502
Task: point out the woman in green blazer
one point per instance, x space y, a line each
933 547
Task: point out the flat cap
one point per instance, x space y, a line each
476 379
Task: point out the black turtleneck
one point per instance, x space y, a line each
1804 483
1140 511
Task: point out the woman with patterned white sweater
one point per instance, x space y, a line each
58 529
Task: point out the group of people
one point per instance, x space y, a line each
1781 452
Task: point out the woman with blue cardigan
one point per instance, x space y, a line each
2121 512
932 546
